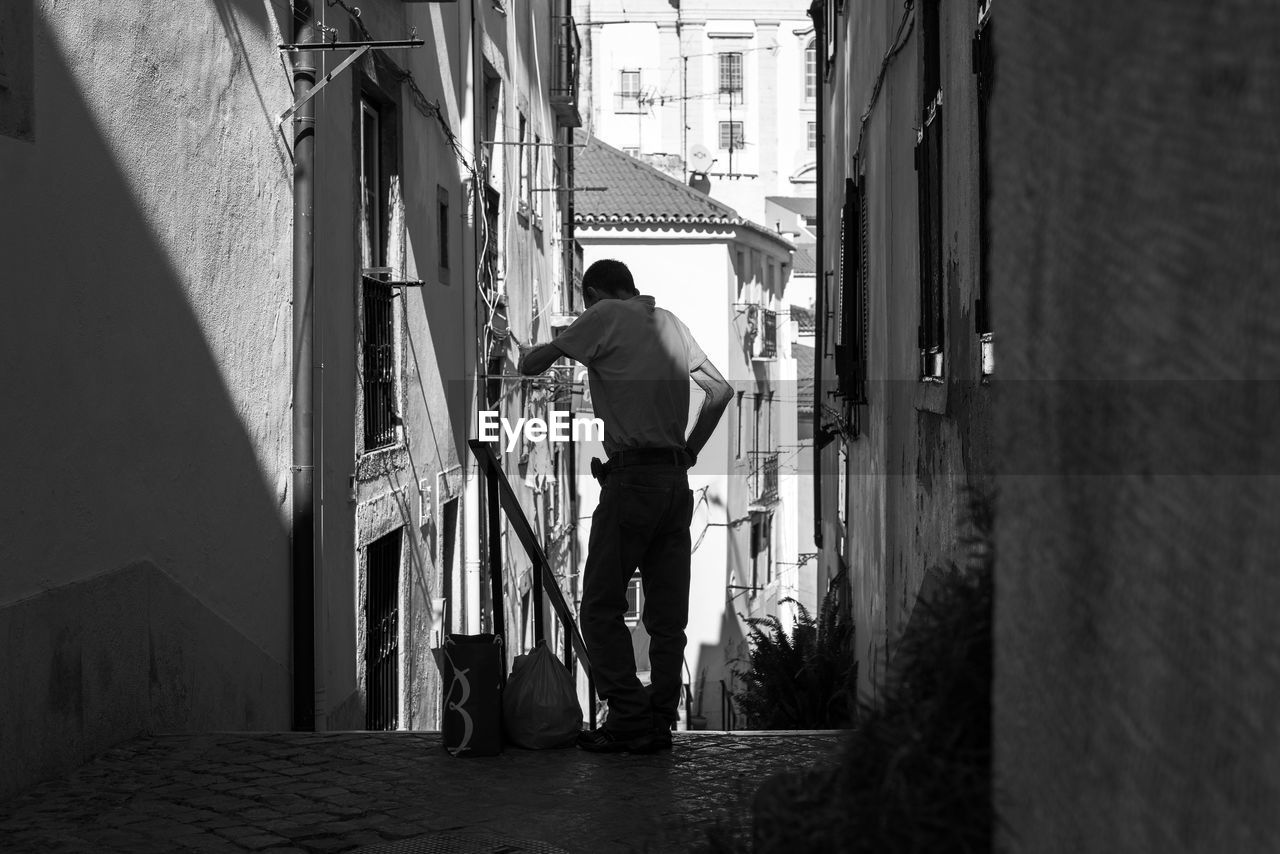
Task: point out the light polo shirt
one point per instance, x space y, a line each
639 358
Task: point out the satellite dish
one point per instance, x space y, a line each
699 158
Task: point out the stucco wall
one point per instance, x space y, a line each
920 445
1137 658
145 235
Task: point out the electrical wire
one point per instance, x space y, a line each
905 25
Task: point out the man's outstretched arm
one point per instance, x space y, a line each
535 360
719 393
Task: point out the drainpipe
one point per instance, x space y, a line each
304 528
471 506
820 301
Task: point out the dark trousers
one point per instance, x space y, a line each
642 522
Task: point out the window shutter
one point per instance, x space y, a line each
929 186
862 315
851 299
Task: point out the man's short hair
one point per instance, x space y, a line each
610 277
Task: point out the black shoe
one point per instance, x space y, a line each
605 740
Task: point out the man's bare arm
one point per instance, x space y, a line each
535 360
719 393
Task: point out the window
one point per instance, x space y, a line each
631 150
812 137
525 186
535 177
768 422
628 91
380 411
928 161
372 197
731 78
985 68
738 452
755 431
382 632
731 136
811 71
442 212
761 549
379 345
830 18
851 298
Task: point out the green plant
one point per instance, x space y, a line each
915 776
805 679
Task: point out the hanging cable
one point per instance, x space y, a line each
905 25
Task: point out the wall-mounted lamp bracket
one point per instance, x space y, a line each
359 48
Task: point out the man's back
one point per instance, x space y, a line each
639 358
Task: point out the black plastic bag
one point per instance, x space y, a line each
471 708
540 705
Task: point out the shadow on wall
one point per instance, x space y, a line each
717 661
146 563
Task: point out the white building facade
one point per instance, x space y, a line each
717 87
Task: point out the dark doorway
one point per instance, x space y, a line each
382 621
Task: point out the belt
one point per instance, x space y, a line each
648 457
641 457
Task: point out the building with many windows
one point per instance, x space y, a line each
722 88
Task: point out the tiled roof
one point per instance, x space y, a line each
635 192
805 261
803 318
804 377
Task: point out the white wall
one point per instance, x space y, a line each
145 232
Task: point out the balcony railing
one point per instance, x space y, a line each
564 87
762 333
763 477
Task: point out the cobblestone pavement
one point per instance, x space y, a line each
397 793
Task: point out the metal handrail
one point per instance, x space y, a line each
728 714
502 497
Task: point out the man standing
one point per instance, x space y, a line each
639 361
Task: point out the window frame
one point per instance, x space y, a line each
372 200
810 71
379 319
525 184
728 94
932 328
624 94
984 69
730 126
443 232
535 174
852 321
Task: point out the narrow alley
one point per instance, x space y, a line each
740 426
